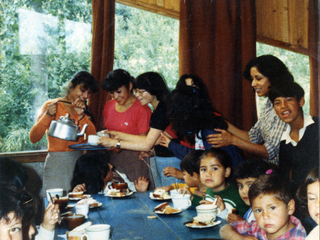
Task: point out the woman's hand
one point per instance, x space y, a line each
51 109
107 142
51 216
222 139
114 134
80 188
143 155
173 172
231 217
164 140
79 106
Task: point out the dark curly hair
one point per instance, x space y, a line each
271 67
189 113
116 79
197 82
86 78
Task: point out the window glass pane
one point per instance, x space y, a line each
43 43
298 65
145 41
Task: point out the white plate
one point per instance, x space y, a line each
207 226
159 212
113 196
167 197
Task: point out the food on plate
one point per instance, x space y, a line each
117 192
77 232
160 194
92 202
203 219
166 209
76 195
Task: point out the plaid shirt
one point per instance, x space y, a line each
268 131
252 229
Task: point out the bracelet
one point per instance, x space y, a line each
118 143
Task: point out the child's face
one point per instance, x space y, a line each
213 174
288 108
313 201
272 214
191 181
243 188
12 229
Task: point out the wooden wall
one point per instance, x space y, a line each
281 23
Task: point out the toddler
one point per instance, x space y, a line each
191 175
272 206
245 174
215 170
308 195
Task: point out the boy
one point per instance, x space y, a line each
299 147
272 206
191 175
245 174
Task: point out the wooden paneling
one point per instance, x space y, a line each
283 23
27 156
169 8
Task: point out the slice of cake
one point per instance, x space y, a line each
159 193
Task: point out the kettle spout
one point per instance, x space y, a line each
83 130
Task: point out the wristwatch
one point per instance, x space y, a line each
118 143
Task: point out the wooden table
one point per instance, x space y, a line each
128 217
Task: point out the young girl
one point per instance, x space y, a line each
93 172
308 196
215 169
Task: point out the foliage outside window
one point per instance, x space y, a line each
298 65
44 42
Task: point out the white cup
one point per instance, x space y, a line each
208 209
82 209
93 139
180 201
97 232
174 192
54 192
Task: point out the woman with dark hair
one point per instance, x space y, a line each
150 88
193 81
124 113
193 118
73 103
264 137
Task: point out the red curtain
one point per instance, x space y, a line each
314 56
102 55
217 40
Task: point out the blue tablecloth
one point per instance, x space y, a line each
128 217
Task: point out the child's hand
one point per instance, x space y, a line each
80 188
173 172
220 203
51 216
199 193
141 184
231 217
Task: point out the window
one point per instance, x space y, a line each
298 65
43 43
141 45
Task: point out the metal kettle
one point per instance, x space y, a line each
65 129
